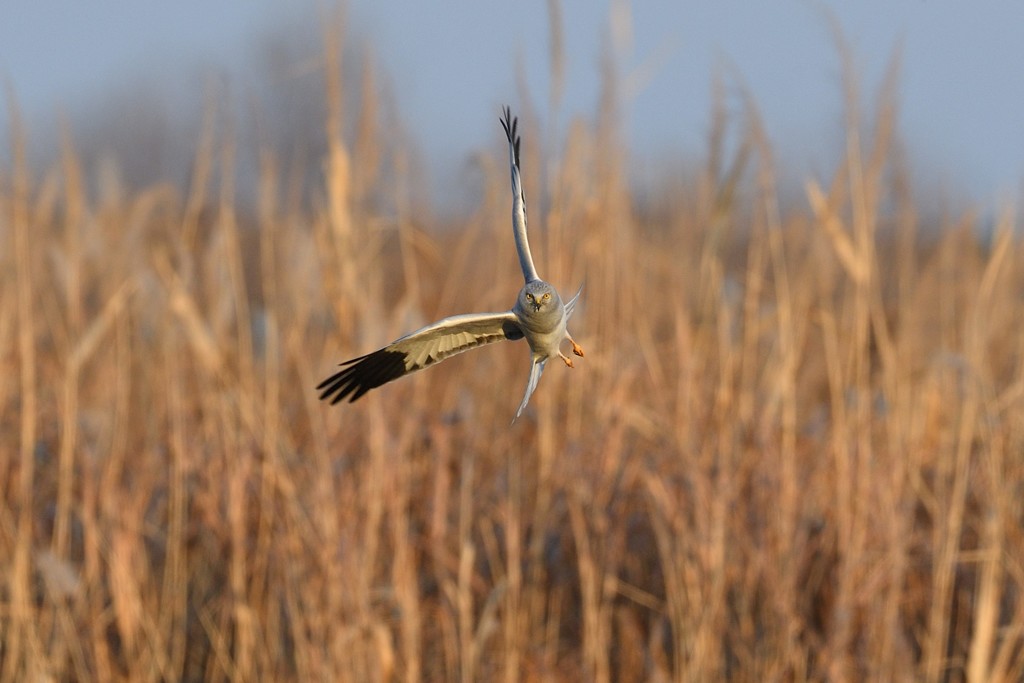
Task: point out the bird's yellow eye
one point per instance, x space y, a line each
530 297
546 297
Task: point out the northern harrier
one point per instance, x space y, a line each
539 316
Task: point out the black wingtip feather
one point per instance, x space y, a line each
362 374
511 126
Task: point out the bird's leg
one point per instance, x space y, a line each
568 361
576 348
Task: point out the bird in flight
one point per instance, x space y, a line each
538 315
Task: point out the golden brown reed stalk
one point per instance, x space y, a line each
24 645
794 452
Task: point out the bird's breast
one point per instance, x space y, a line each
544 330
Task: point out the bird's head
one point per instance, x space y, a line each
538 296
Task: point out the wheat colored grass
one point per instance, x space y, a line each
803 461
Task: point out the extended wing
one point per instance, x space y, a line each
518 198
418 350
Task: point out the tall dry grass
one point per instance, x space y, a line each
793 451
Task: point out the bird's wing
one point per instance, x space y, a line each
536 370
570 305
418 350
518 198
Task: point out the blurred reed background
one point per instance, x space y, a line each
793 451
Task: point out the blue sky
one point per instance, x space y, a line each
451 64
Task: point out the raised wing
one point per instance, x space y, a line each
416 351
518 198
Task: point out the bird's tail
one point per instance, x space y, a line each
536 369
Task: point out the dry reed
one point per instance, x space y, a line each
793 451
